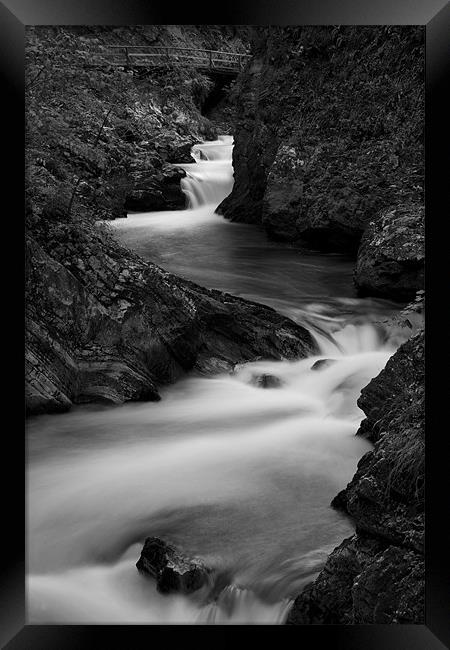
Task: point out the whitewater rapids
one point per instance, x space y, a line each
239 475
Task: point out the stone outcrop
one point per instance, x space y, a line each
104 325
377 575
172 571
391 255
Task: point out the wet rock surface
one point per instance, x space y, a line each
172 571
377 576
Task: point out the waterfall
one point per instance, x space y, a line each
210 179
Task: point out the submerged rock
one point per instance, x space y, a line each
377 575
267 381
391 256
321 364
172 571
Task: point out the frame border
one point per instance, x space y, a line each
435 14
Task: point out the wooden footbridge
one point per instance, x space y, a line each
131 56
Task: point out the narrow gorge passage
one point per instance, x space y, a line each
239 475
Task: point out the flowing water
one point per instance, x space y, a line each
238 475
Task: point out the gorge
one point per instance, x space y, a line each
270 347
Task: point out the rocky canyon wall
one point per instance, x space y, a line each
328 136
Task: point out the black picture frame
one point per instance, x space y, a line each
15 634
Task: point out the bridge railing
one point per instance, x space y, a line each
144 55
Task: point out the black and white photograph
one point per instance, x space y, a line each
224 277
225 304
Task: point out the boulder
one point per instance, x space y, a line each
391 255
172 571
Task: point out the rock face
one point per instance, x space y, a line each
377 575
172 571
255 147
104 325
391 255
324 139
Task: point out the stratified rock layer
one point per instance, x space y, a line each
104 325
377 575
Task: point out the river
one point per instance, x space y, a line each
237 475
